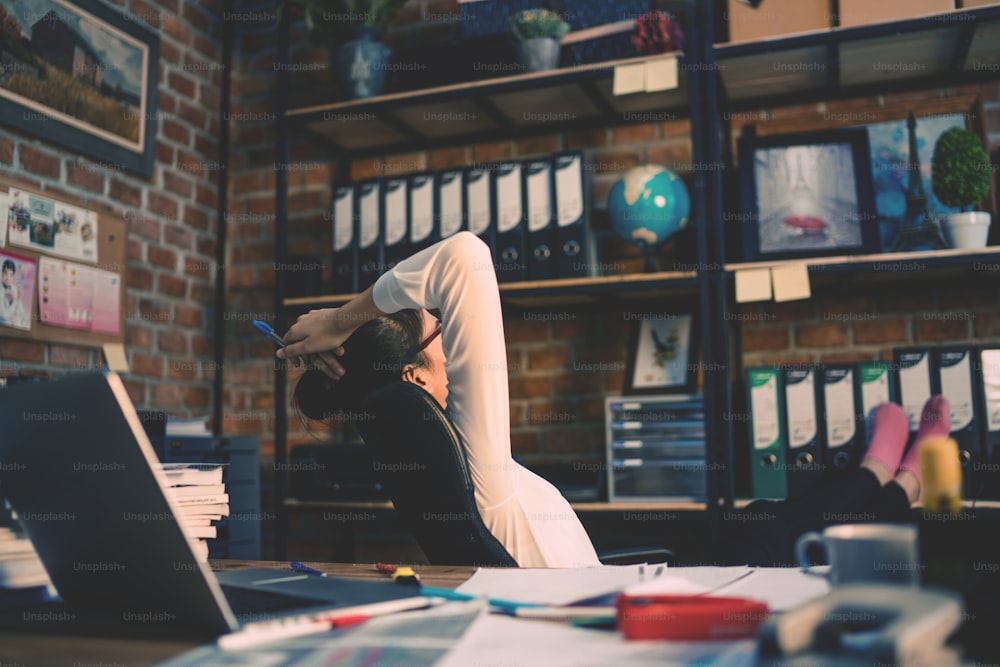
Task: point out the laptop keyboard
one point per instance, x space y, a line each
246 602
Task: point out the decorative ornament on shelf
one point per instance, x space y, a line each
356 27
537 35
918 231
648 206
657 32
960 177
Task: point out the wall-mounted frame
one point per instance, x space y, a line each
889 148
661 357
807 194
82 75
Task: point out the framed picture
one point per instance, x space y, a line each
890 151
807 195
81 74
661 356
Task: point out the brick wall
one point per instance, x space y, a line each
171 215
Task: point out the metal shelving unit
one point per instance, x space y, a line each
949 49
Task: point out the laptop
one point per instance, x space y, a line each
79 470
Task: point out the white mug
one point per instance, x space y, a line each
865 552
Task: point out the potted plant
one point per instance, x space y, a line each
960 177
356 27
537 35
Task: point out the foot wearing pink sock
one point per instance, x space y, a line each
935 420
890 429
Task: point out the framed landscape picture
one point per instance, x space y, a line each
807 195
83 75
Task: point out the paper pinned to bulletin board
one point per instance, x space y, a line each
76 256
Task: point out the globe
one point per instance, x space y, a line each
648 205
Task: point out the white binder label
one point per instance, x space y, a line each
539 198
343 217
569 191
838 399
915 389
395 212
421 208
368 212
800 406
450 193
956 384
765 413
509 198
991 387
479 203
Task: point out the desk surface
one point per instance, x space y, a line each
43 650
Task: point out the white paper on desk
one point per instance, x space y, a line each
518 641
553 586
782 588
691 580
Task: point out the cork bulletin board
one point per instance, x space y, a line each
107 253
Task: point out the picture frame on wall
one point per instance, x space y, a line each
83 75
807 194
661 357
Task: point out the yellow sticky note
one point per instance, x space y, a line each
661 75
753 285
629 79
114 354
791 282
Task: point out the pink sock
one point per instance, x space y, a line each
890 429
935 419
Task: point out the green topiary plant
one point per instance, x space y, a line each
335 18
536 23
960 169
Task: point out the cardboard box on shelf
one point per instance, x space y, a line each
863 12
776 17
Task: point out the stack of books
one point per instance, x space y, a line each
23 578
200 494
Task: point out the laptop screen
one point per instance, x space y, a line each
84 480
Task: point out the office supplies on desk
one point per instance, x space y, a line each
119 516
865 624
688 617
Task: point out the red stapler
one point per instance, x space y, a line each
689 617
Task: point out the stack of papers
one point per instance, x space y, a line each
200 494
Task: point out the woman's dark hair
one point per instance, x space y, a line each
9 264
374 355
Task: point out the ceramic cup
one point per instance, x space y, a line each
864 552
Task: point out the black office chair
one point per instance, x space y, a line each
423 465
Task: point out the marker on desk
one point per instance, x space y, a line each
305 569
266 329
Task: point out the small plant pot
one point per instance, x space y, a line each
969 229
362 64
538 54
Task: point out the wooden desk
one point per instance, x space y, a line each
52 649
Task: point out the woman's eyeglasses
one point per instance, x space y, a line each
430 338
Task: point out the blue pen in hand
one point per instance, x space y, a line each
305 569
266 329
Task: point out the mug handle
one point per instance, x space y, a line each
802 545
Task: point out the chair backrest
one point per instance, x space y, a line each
423 465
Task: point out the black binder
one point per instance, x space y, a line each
988 374
541 235
958 381
450 203
395 229
369 215
572 239
345 249
842 431
422 211
509 217
479 210
802 454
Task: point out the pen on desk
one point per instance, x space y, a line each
601 614
268 331
305 569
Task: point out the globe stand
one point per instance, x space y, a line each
647 252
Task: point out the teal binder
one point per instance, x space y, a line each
768 476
